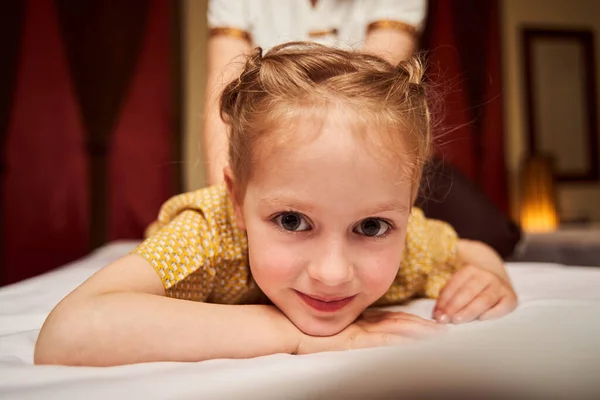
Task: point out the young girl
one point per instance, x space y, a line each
314 225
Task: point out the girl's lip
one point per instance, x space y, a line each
330 304
327 299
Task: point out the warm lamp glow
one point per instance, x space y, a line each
538 205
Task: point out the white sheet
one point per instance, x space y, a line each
550 346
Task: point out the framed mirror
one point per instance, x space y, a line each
561 100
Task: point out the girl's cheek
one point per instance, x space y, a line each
275 260
379 269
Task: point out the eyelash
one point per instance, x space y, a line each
302 217
390 225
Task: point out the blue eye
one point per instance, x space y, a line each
291 221
372 227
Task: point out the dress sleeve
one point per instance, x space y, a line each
182 253
431 247
229 18
429 260
406 15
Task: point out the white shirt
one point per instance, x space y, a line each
332 22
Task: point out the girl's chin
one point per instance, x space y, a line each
314 327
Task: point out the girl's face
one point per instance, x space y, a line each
326 222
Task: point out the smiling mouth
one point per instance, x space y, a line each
326 305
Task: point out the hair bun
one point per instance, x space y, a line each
230 97
255 58
412 70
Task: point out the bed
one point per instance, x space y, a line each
549 347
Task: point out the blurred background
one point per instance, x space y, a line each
101 115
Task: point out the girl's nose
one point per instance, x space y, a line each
331 266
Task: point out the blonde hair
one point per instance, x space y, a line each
293 76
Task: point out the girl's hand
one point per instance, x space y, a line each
474 292
373 329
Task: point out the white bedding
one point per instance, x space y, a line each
550 346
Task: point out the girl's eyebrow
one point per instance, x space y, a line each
286 202
392 206
296 205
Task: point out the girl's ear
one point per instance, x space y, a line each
235 197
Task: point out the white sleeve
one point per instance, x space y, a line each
410 12
228 14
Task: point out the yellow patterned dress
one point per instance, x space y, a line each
200 254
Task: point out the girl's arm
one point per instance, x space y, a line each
121 316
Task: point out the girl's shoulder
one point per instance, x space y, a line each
208 199
197 249
212 202
211 205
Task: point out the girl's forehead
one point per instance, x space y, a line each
342 124
332 142
327 151
328 170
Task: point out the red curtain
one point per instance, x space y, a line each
45 203
90 151
462 41
141 146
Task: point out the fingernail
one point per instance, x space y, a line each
443 319
458 319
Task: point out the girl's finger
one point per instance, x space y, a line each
379 315
486 300
506 304
408 328
466 293
364 339
385 339
454 284
404 326
373 315
412 318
